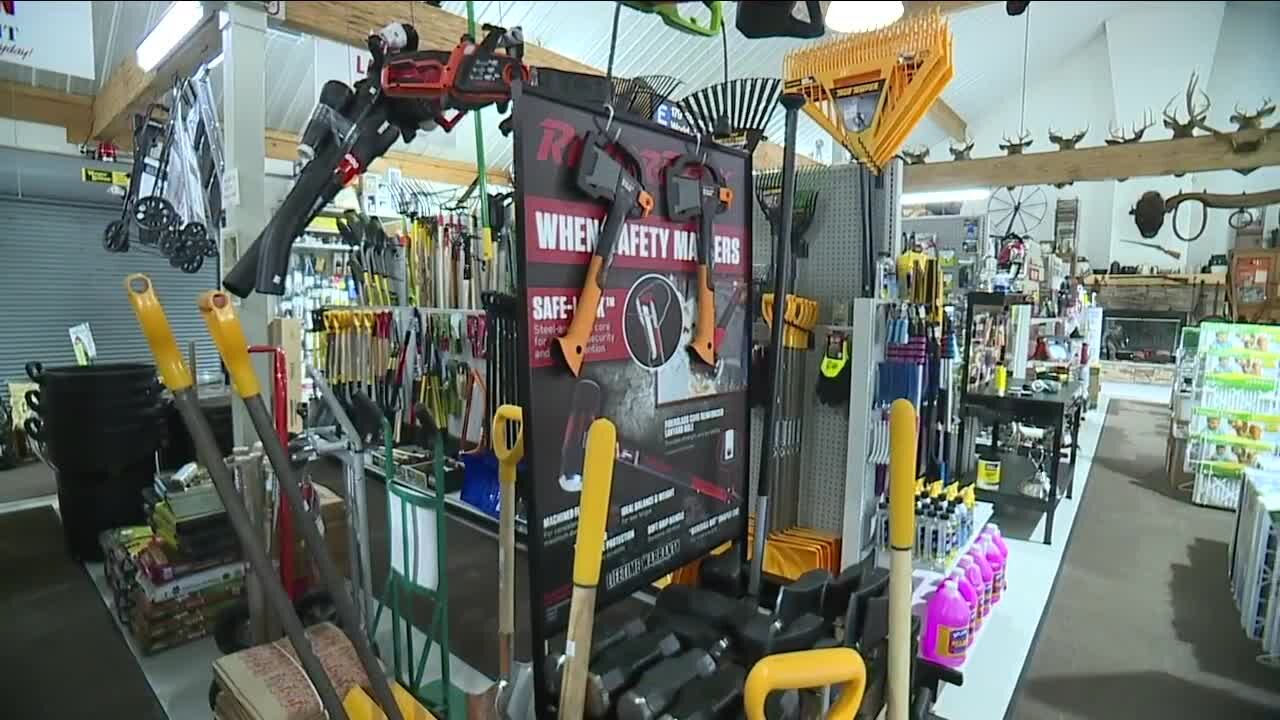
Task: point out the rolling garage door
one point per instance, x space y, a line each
54 273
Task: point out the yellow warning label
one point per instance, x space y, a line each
106 177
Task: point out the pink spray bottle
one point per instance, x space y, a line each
979 557
946 631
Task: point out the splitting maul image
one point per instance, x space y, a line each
585 408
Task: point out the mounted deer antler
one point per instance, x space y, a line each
1253 121
916 155
1015 147
1119 137
962 150
1196 114
1067 142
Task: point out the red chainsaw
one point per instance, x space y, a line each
468 77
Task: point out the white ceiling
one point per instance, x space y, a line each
988 58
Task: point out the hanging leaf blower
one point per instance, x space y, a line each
406 90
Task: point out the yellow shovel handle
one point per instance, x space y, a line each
227 333
510 451
155 326
808 669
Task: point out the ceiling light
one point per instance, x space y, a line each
944 196
849 17
176 23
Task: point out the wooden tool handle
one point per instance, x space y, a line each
573 681
228 335
902 531
593 516
155 326
573 344
703 344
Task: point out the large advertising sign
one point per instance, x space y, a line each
54 36
680 473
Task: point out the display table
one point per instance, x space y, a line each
1055 411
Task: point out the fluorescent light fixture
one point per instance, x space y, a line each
216 61
944 196
848 17
176 23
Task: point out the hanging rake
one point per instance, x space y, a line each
769 195
734 112
643 94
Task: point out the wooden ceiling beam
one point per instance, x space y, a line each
51 107
129 88
1108 162
948 120
351 22
283 145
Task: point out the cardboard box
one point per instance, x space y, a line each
286 333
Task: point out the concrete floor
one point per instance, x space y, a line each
180 677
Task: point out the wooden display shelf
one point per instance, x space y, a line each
1160 279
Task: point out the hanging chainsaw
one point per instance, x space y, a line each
353 126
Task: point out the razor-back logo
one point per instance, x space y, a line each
560 143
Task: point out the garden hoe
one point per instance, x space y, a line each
593 515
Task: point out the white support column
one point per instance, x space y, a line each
244 42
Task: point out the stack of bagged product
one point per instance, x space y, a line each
171 580
266 682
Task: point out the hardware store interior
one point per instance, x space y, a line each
894 359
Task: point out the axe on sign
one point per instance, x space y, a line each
602 177
704 197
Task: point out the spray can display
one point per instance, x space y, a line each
946 632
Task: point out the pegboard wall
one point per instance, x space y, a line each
831 275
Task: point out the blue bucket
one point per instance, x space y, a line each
480 482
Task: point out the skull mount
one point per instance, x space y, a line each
1015 147
1067 142
915 156
1197 112
1119 136
961 151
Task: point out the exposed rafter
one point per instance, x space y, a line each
282 145
51 107
1151 158
948 120
129 88
350 23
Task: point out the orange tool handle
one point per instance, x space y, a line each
573 344
703 344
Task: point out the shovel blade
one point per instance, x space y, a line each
483 705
